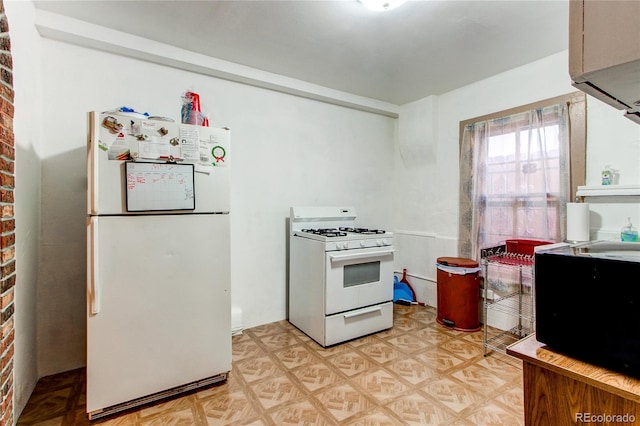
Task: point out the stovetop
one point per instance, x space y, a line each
344 232
335 226
340 238
365 231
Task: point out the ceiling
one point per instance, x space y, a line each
420 49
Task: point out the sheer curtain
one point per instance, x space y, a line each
514 179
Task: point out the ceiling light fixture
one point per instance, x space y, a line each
382 5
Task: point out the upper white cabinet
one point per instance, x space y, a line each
604 51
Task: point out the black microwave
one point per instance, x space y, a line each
587 302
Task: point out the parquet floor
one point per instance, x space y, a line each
417 373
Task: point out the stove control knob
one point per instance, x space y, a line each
379 242
339 246
363 244
384 242
345 245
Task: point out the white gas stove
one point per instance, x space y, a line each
340 275
347 238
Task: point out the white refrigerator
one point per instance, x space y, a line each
158 263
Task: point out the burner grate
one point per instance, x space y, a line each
363 231
326 232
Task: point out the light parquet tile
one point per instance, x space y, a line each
381 385
316 376
351 362
300 413
451 393
494 415
416 373
412 370
480 379
462 348
185 417
266 329
231 385
366 340
167 407
407 343
228 408
477 338
499 366
440 359
257 422
247 348
344 401
80 419
276 391
299 334
376 418
255 369
403 310
414 409
380 352
513 398
460 422
425 316
331 350
405 324
295 356
432 335
278 341
390 332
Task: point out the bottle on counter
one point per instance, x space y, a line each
629 233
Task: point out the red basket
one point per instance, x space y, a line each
524 246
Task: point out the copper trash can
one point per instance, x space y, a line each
458 287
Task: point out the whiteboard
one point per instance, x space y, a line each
159 186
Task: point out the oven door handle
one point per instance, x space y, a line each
343 257
362 312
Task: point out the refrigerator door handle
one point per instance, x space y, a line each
93 288
92 163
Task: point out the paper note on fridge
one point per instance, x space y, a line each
205 158
154 148
119 148
189 144
106 139
213 151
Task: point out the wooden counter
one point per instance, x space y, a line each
560 390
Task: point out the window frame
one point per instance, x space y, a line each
576 101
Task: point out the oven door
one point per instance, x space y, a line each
358 278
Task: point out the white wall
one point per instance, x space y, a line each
25 48
426 194
287 151
611 141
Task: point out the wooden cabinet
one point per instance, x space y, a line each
560 390
604 51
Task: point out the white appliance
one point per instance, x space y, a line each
340 276
158 263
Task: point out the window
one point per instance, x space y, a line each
518 170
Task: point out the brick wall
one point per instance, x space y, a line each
7 223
